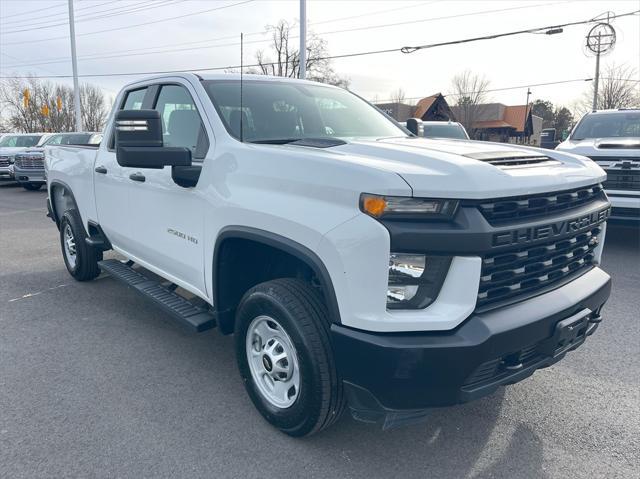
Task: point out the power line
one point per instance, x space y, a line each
112 54
135 25
345 55
33 11
507 34
127 9
29 20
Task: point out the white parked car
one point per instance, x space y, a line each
355 264
611 138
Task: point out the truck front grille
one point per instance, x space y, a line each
508 275
515 208
4 162
29 163
622 180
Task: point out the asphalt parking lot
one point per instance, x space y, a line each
96 382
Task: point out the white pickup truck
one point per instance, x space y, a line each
356 265
611 138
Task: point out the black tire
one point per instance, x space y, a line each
85 267
32 186
299 309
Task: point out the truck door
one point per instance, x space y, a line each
111 182
168 219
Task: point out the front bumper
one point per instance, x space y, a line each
399 375
625 206
29 175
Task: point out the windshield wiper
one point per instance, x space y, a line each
312 142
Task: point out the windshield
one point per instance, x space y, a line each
445 130
21 141
273 110
69 139
608 125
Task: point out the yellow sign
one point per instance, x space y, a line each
59 103
26 95
45 110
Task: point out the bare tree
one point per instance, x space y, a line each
398 96
469 95
93 108
284 58
619 87
48 107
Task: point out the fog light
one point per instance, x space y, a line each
415 279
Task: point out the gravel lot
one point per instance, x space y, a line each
96 382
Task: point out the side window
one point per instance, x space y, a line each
181 123
134 99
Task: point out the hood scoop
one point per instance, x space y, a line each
512 159
621 144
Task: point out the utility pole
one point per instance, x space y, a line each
597 77
303 39
526 114
74 64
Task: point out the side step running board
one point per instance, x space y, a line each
195 317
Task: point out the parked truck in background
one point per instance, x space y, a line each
13 143
28 167
356 265
611 138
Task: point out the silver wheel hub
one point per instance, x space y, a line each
70 246
273 362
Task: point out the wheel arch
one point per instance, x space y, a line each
227 294
61 199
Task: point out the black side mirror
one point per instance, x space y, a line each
139 143
415 126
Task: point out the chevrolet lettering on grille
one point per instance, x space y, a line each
526 235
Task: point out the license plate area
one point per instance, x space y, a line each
570 333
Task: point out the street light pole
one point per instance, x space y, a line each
74 64
303 39
597 77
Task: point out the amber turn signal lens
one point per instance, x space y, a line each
374 205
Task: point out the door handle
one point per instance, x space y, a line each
137 177
100 169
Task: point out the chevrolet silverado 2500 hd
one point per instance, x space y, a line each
355 264
611 138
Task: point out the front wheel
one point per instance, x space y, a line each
285 357
32 186
80 259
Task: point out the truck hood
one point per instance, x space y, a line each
606 147
12 150
473 169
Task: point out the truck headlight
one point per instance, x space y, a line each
407 207
415 279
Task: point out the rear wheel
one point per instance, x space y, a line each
32 186
80 259
285 358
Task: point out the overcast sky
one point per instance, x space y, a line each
210 39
